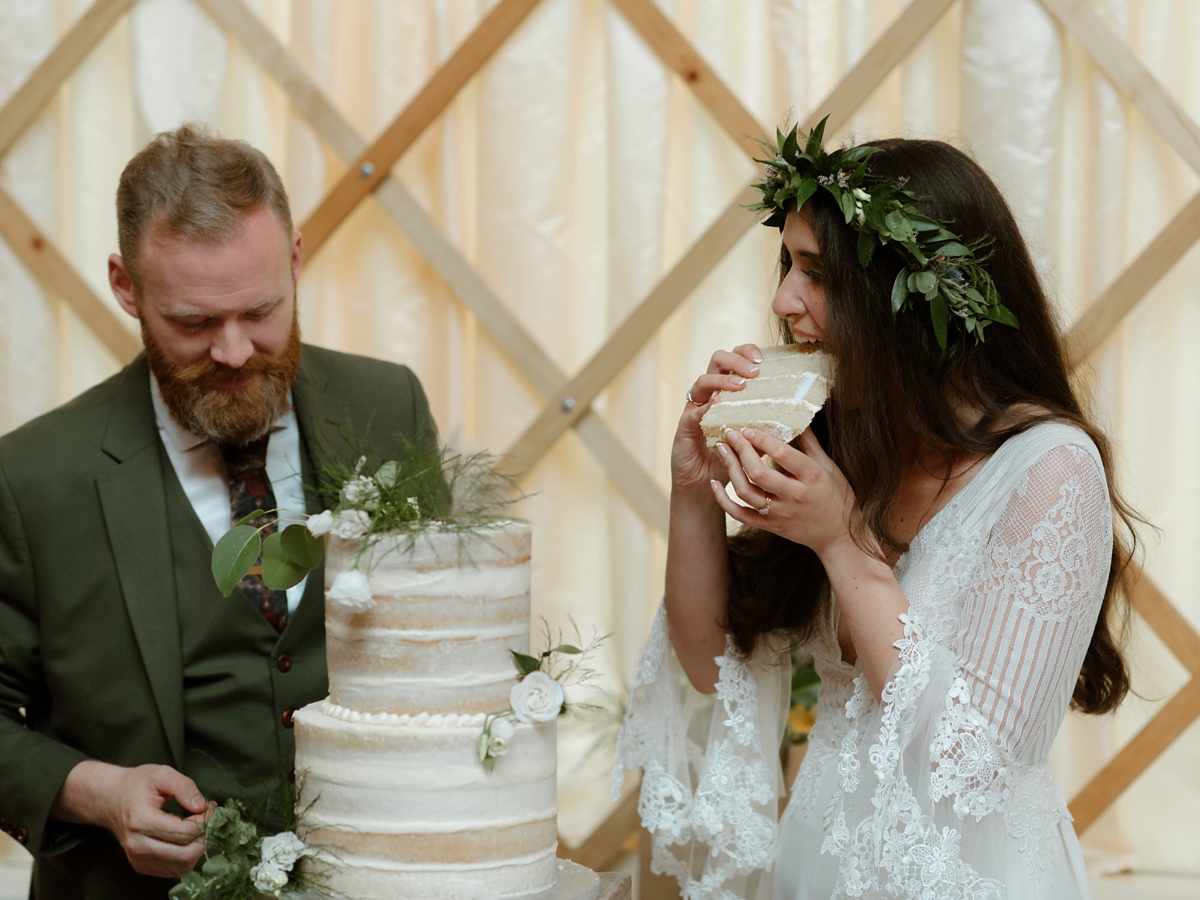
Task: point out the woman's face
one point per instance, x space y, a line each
800 299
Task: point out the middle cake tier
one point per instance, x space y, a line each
447 610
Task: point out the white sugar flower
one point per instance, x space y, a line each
361 491
861 195
352 590
537 698
283 850
499 737
351 524
268 878
320 524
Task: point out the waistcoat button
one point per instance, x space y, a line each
284 662
287 717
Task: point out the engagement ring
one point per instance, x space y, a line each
766 507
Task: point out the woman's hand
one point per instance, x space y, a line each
693 463
810 501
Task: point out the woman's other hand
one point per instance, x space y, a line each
811 502
693 463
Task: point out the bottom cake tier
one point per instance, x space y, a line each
399 806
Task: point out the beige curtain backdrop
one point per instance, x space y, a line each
573 173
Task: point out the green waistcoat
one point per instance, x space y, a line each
237 697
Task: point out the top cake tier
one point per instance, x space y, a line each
448 607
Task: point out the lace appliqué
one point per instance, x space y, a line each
732 809
967 763
634 741
897 850
1032 815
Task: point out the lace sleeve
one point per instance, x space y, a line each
945 777
710 767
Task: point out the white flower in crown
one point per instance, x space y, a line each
320 524
537 698
351 524
268 878
283 850
352 590
361 491
500 735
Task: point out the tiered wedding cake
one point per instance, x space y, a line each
391 790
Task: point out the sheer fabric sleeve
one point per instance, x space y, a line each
943 790
711 776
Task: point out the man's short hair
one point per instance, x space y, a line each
196 185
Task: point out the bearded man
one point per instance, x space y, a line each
133 695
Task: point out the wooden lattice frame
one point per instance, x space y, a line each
569 399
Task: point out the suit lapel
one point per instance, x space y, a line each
135 513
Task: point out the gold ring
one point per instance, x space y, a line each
766 507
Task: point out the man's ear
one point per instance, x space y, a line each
122 285
297 254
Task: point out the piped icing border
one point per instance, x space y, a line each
422 719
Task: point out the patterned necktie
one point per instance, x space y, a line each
250 489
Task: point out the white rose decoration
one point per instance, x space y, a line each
500 736
353 590
320 524
351 524
537 698
283 850
268 878
361 491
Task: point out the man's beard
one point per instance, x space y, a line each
195 397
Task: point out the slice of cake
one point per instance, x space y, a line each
792 384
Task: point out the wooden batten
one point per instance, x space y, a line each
368 170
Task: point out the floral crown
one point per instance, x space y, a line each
937 264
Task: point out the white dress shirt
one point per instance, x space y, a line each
200 468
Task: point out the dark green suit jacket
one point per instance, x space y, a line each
90 637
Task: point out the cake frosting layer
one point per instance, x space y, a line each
394 799
406 810
448 608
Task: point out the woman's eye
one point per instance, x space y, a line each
812 274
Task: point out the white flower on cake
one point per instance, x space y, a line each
362 491
283 850
499 737
320 524
268 878
537 698
351 524
352 589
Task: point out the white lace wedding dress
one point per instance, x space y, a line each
942 790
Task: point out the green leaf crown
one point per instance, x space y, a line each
937 264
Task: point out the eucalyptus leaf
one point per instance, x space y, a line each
924 282
900 291
565 648
254 515
524 663
236 551
953 249
940 313
279 572
847 206
807 188
301 547
866 248
815 138
1004 316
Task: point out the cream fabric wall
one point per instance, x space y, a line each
573 173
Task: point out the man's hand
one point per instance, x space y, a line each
129 803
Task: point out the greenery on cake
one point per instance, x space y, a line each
539 695
244 861
430 487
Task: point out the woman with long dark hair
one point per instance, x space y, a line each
941 541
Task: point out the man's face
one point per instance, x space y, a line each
219 324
